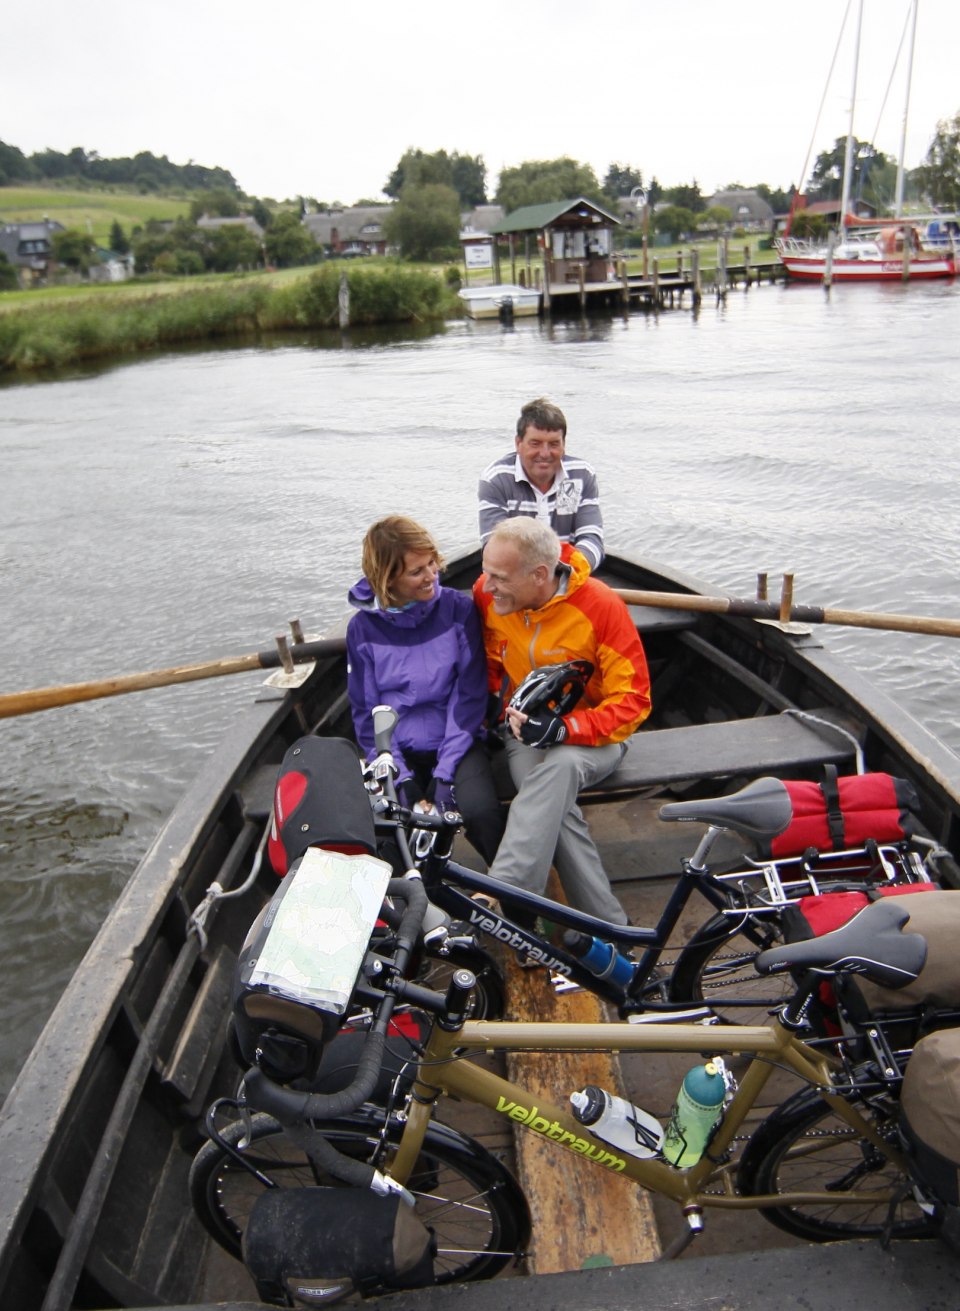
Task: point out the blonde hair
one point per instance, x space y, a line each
385 548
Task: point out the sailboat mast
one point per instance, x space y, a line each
848 156
898 210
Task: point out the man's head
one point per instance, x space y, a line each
520 563
541 438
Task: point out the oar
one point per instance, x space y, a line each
46 698
801 614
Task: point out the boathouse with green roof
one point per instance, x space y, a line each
570 241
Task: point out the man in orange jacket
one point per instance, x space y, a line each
541 607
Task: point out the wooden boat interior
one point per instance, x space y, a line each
100 1129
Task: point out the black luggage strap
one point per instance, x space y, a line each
831 796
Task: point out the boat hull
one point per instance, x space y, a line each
856 270
500 301
99 1130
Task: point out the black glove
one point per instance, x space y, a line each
543 730
409 792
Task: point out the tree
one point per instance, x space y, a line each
73 249
686 197
675 220
718 216
466 174
425 222
621 179
805 224
826 180
219 203
938 177
288 243
9 279
260 212
778 199
232 247
118 238
14 165
536 182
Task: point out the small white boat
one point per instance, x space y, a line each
501 300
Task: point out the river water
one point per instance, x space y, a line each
184 507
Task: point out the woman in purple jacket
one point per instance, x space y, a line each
418 647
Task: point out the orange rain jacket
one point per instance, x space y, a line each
587 621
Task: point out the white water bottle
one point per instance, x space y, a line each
617 1121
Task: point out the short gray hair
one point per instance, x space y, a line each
535 541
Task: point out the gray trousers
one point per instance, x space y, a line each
546 827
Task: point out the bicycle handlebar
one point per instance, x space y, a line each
289 1105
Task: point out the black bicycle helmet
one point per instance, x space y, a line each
557 688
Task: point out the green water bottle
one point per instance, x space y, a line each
695 1112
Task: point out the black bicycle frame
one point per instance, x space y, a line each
444 880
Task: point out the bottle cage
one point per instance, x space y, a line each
557 688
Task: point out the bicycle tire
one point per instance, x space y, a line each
718 963
487 1000
468 1198
806 1145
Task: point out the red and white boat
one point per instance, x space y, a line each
892 254
889 250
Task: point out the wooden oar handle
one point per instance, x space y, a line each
48 698
803 614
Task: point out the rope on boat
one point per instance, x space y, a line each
216 892
836 728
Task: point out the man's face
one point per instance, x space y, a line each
540 451
511 585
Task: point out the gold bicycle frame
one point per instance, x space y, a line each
444 1069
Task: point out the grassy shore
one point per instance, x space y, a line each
43 331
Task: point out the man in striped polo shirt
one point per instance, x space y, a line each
538 480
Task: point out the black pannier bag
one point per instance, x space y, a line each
930 1117
304 1246
320 801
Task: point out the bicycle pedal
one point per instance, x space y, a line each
560 984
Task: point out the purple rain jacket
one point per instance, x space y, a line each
428 663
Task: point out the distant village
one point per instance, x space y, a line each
358 230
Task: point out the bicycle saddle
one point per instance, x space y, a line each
760 810
871 944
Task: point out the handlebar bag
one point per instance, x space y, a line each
838 813
320 801
930 1113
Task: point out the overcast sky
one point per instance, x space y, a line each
300 98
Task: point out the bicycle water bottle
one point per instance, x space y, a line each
617 1121
600 957
697 1109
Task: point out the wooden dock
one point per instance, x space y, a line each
658 290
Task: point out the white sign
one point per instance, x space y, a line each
478 255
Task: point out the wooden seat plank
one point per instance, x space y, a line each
762 745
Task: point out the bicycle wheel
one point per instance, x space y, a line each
804 1146
465 1196
717 965
487 999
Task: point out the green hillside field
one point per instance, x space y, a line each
90 211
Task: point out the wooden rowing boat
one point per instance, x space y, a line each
97 1135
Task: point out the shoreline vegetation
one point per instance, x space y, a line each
42 331
51 328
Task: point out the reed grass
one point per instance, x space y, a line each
49 335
